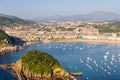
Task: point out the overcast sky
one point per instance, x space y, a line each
34 8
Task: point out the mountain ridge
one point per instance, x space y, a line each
9 20
91 17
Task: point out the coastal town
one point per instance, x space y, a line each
26 35
46 32
60 40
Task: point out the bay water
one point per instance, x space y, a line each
96 61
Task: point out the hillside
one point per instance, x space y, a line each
7 20
112 27
5 40
36 65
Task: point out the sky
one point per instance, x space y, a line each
29 9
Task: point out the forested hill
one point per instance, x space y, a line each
6 20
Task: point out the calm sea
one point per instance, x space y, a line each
95 61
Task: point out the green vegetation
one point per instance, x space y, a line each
13 21
4 39
113 27
64 29
39 62
118 34
82 25
109 28
48 30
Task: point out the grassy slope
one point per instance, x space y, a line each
4 39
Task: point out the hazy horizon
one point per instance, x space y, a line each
29 9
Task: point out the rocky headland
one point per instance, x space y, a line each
11 43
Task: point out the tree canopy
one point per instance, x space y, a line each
39 62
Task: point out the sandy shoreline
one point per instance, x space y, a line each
92 41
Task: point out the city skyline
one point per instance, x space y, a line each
29 9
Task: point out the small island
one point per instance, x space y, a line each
36 65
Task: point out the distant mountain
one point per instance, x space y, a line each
92 17
8 16
8 20
103 16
